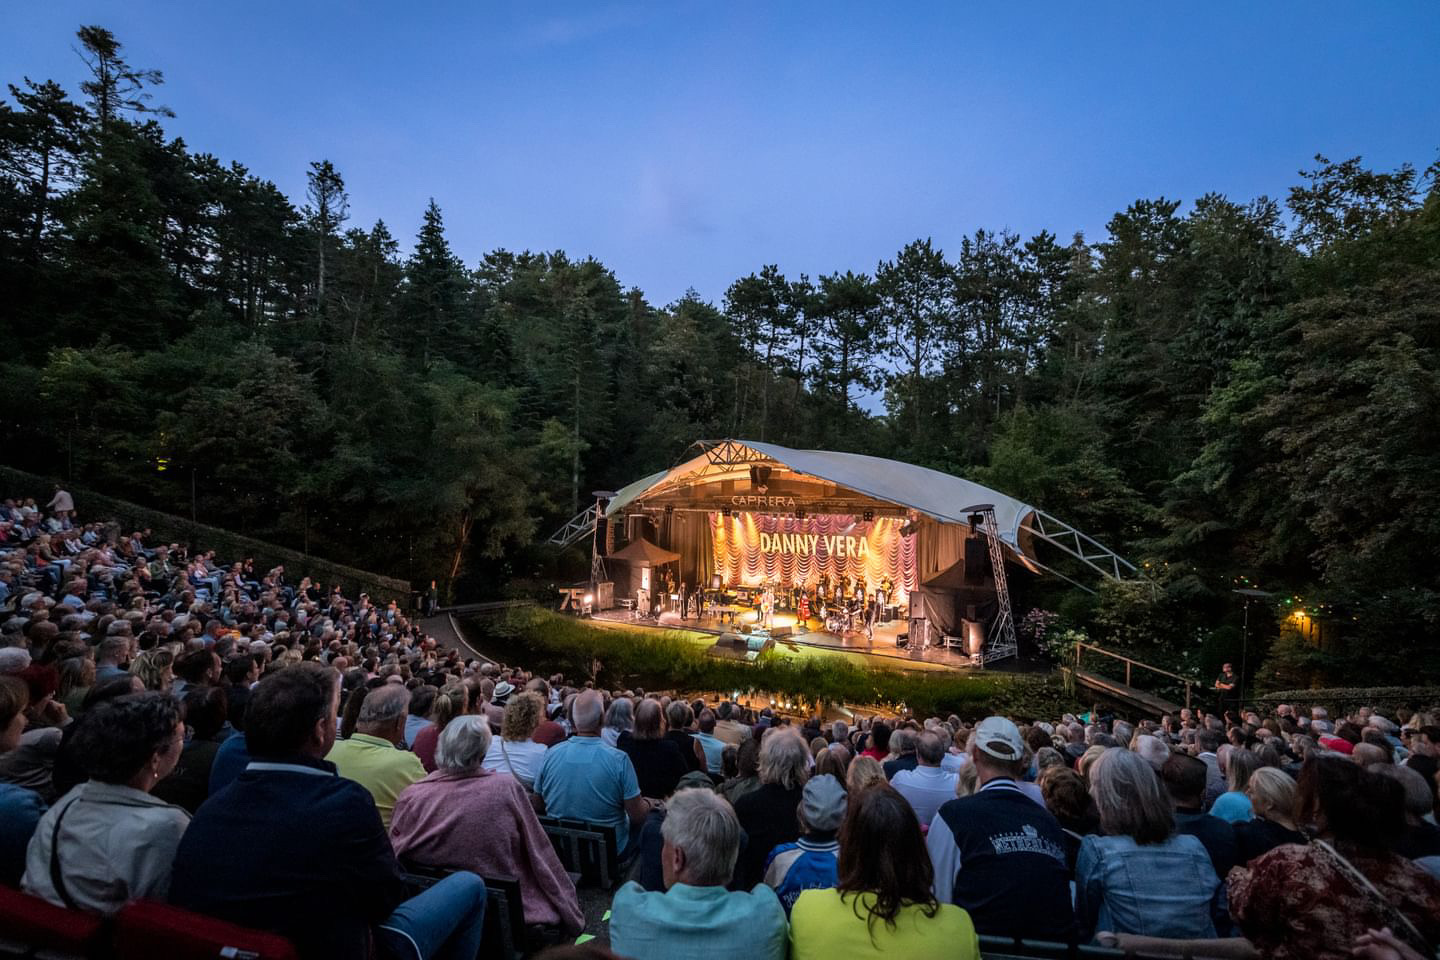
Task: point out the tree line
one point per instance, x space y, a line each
1236 392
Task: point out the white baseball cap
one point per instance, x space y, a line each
999 738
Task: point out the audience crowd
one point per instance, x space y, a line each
281 756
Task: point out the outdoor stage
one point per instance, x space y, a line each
881 647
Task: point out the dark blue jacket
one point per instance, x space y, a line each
291 847
1001 856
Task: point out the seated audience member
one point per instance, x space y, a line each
879 743
767 813
649 872
450 702
1208 740
241 674
422 699
303 850
902 746
32 763
926 785
862 772
1272 796
678 720
77 677
189 784
1141 877
883 904
514 752
1067 797
108 841
372 756
810 863
155 668
659 764
619 719
68 771
696 915
464 817
586 779
1421 842
997 853
745 777
1301 902
20 808
728 726
1185 778
712 745
1233 806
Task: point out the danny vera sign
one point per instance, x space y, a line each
814 544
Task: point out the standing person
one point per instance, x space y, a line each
1141 877
1226 694
1301 902
697 915
882 904
999 854
61 505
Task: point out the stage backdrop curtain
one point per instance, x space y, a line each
938 546
741 558
688 534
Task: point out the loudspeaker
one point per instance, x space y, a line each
977 560
794 631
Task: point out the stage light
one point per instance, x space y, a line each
589 598
868 516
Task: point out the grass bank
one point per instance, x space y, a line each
545 641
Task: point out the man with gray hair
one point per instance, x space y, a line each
587 779
927 786
696 914
371 757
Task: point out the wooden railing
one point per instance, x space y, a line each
1129 662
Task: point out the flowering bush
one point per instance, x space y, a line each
1035 624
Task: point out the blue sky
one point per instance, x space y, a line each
685 145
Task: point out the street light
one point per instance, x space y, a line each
1250 594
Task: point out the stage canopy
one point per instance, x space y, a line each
910 518
643 553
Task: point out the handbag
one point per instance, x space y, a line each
537 802
1392 912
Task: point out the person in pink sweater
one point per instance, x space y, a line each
462 817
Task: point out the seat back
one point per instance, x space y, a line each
588 849
504 936
31 927
145 930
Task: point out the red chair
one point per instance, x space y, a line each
29 925
145 930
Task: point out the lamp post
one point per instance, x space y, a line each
1250 594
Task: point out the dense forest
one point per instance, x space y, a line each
1235 392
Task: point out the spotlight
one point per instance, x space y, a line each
868 516
589 599
908 528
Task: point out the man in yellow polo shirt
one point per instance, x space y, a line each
372 757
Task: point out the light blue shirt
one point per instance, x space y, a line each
586 779
413 726
714 749
1157 890
1233 807
697 921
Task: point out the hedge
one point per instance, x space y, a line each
1340 699
669 660
96 507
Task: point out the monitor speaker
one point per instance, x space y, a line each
977 560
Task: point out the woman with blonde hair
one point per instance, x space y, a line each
1272 796
450 703
514 752
155 668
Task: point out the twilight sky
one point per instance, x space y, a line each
687 144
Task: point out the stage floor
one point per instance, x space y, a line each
882 645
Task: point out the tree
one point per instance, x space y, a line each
916 290
40 153
114 86
328 208
762 311
849 337
434 294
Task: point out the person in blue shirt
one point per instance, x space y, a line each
812 862
584 778
696 915
291 847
